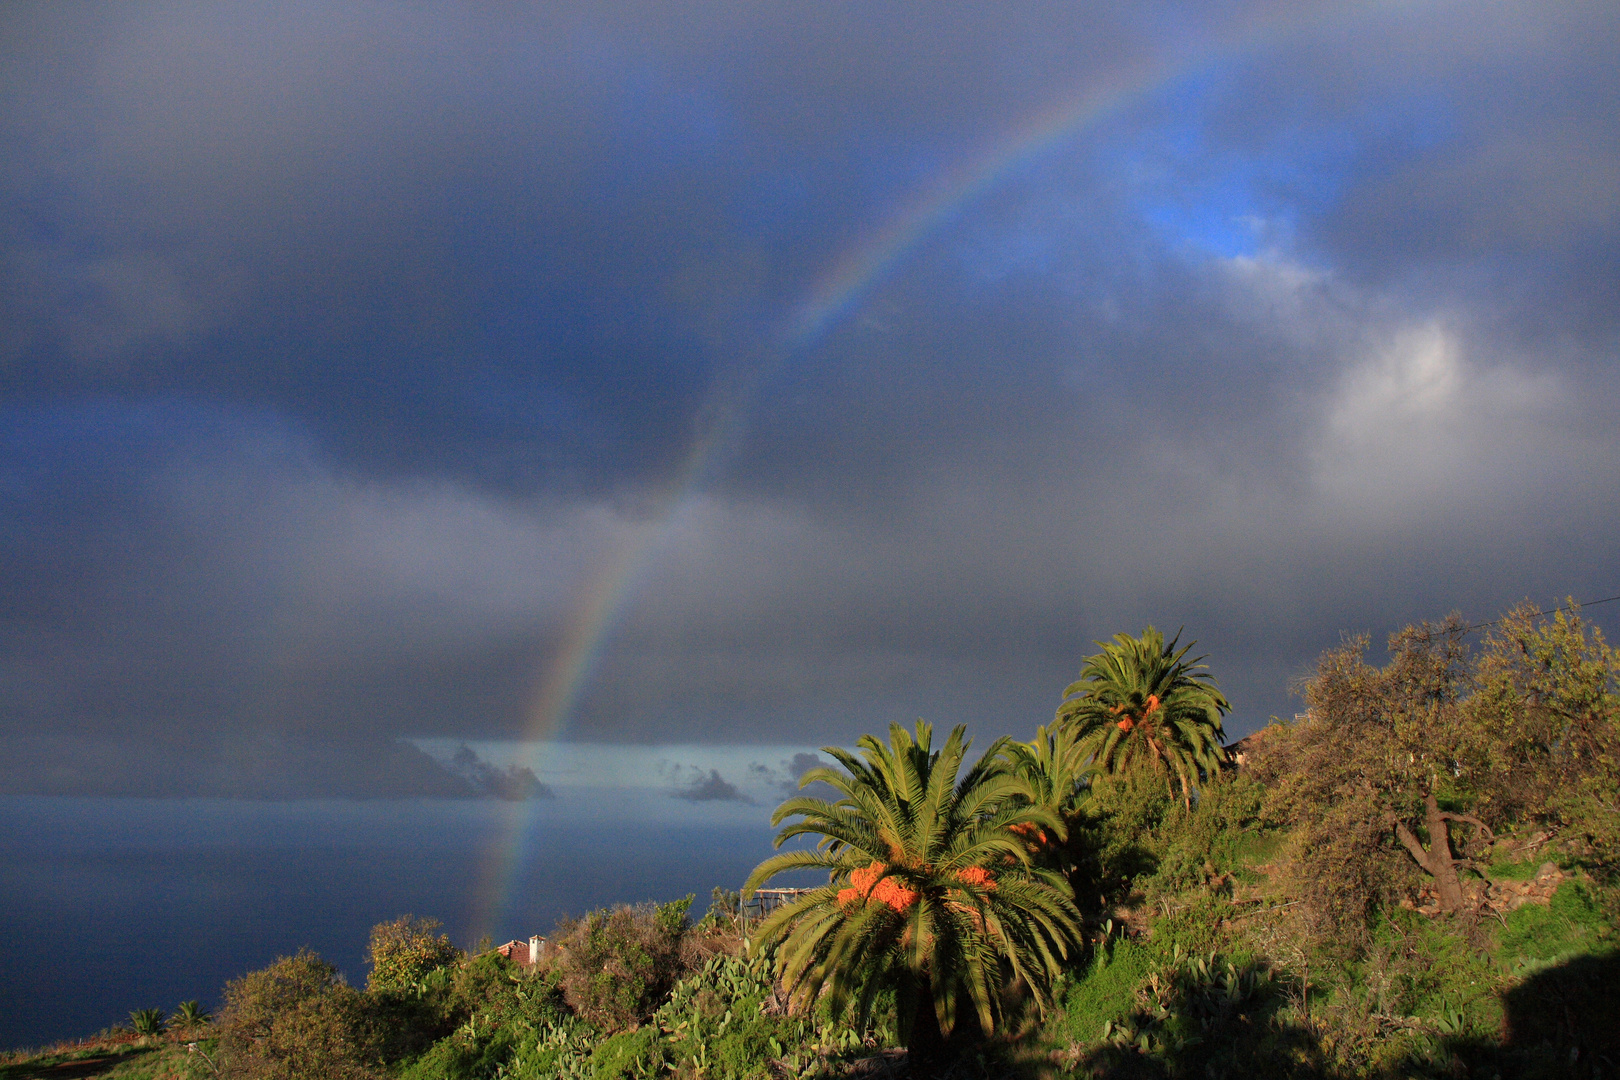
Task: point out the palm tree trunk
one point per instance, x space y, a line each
1164 761
925 1043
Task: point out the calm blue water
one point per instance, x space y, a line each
108 905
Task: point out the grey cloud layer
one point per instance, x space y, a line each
353 351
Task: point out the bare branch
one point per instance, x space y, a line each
1410 843
1470 820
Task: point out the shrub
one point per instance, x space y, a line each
1106 991
469 1019
615 966
1116 838
472 1052
715 1020
725 910
729 1020
627 1054
294 1019
553 1051
404 951
492 992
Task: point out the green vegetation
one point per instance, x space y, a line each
148 1022
297 1018
190 1015
405 951
1419 877
932 892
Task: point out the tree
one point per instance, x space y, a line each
1380 761
1058 772
1054 764
405 950
931 889
1545 707
1141 702
1544 731
297 1018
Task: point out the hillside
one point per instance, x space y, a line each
1418 877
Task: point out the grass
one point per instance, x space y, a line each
117 1058
1518 870
1105 992
1537 936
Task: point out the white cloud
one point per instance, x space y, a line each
1415 428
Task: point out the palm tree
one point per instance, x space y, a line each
1141 702
1055 766
1057 769
191 1014
931 891
148 1022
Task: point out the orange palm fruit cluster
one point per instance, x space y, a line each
869 881
978 875
1029 831
1129 722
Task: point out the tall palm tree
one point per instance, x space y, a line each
1142 702
931 891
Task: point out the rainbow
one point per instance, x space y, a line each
834 295
603 602
851 279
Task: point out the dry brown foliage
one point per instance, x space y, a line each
1400 772
614 966
295 1019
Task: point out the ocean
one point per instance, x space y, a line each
109 905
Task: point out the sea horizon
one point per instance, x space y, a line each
115 904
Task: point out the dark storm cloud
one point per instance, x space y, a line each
259 765
515 783
352 355
710 788
505 247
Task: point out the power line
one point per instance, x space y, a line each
1554 611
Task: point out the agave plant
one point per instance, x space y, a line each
1141 702
931 890
148 1021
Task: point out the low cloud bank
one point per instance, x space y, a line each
515 783
693 785
261 765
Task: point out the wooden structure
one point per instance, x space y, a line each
765 901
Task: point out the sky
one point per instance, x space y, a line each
382 380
